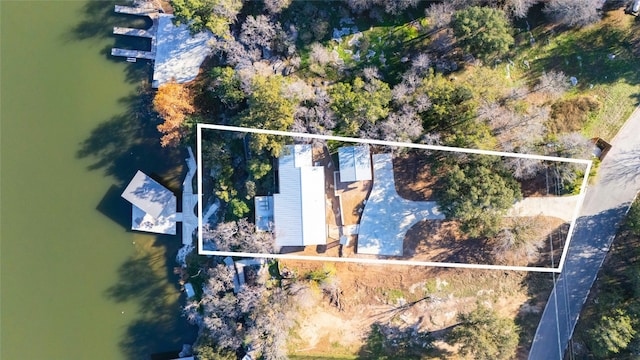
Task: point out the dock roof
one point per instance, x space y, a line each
148 195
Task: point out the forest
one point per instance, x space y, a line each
528 76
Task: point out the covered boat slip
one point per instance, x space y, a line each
153 205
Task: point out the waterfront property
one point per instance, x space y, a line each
154 206
175 52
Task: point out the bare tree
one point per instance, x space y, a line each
331 288
440 14
573 12
553 83
269 325
421 63
276 6
521 239
250 298
395 7
238 236
258 31
222 237
574 145
235 53
370 73
515 131
519 8
524 169
320 54
401 93
404 125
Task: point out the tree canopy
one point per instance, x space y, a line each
611 334
173 102
226 86
269 107
483 31
485 335
201 15
478 193
359 104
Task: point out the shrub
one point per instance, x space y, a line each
570 115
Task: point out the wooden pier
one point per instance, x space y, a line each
133 32
140 11
138 54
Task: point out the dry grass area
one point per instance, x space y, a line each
427 298
442 241
415 175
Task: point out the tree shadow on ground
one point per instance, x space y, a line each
147 279
442 241
592 237
538 286
585 53
388 341
625 167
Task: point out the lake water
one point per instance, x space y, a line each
75 282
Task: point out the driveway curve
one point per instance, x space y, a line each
387 216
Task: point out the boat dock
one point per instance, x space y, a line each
175 52
150 33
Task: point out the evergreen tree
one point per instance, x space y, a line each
201 15
478 193
611 334
483 31
485 335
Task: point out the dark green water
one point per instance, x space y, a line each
75 283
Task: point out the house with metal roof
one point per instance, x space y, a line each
299 217
355 163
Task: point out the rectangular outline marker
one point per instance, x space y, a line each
576 211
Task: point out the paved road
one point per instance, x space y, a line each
605 205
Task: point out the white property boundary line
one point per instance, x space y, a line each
576 211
